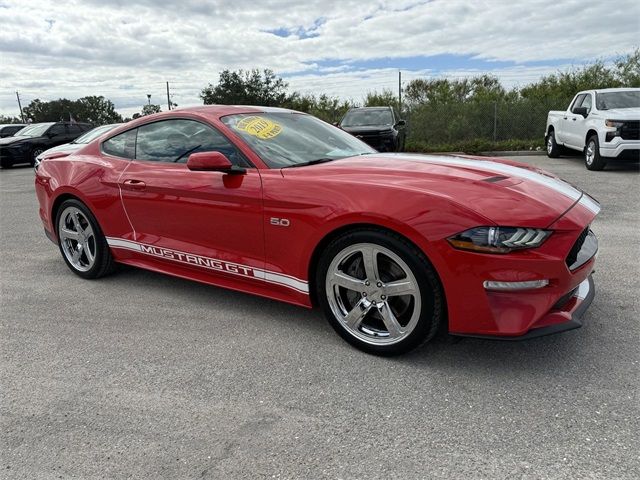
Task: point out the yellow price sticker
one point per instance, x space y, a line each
260 127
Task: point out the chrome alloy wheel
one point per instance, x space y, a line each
77 239
590 154
549 144
373 293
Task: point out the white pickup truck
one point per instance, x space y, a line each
602 124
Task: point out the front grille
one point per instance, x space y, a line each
583 250
630 130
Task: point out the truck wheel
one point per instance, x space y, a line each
592 158
553 149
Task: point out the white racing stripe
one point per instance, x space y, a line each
555 184
214 264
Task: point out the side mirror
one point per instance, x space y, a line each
401 123
581 111
212 162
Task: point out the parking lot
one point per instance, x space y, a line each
144 375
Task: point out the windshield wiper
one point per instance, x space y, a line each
311 162
187 153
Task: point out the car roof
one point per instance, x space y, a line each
371 108
222 110
610 90
13 124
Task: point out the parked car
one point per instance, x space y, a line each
34 139
10 129
602 124
379 127
277 203
71 147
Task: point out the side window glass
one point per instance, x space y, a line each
587 102
75 129
577 102
123 145
174 140
57 129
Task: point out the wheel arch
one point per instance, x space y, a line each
590 133
59 200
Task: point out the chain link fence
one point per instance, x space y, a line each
456 126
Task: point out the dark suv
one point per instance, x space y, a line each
380 127
35 139
10 129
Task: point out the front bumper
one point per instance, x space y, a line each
620 148
568 317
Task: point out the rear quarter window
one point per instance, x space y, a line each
122 145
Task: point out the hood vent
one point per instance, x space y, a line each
497 178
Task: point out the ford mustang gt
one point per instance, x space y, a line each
393 247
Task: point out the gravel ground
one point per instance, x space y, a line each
140 375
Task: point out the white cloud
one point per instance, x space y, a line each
124 49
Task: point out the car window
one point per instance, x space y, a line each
587 102
57 129
577 102
123 145
174 140
74 129
366 117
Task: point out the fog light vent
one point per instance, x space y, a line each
530 285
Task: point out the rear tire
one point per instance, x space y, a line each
379 292
592 159
6 163
34 154
553 149
82 244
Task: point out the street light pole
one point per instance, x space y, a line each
149 98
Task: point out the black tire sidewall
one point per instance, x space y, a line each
598 162
103 254
432 297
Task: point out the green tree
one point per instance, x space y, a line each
96 110
386 98
250 87
4 119
628 69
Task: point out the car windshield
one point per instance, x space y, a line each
95 133
36 130
365 117
290 139
609 100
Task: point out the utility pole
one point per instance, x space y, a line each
20 106
149 98
168 97
400 93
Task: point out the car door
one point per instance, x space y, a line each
56 135
563 134
573 123
211 221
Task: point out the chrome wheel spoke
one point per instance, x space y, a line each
390 321
69 234
399 288
354 318
77 253
347 281
370 262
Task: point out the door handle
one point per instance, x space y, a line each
132 184
574 119
564 118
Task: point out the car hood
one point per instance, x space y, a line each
68 148
507 193
10 140
367 128
621 113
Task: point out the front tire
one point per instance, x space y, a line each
592 159
379 292
553 149
83 246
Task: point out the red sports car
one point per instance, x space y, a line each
393 247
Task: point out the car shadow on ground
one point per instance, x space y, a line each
444 353
613 165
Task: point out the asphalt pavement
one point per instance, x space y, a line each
140 375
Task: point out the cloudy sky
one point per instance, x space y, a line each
126 49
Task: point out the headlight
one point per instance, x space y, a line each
613 123
499 239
